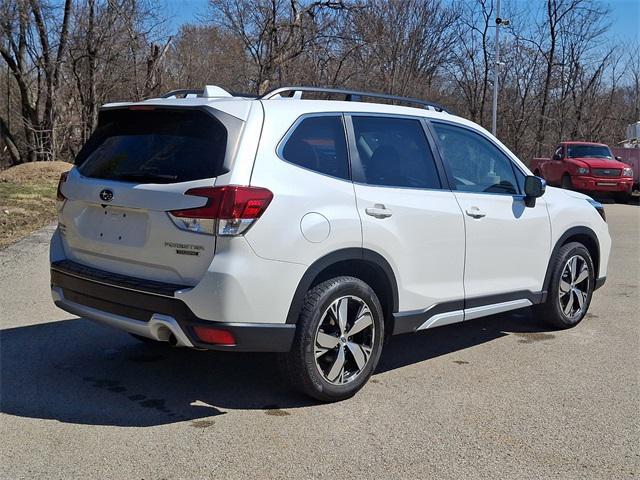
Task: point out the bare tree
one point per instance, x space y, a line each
470 66
36 67
62 59
106 42
404 44
562 17
274 32
206 54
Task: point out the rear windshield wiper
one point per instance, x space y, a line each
147 177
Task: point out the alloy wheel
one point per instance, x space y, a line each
344 340
574 287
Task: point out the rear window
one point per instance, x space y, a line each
157 146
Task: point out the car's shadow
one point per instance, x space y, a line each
77 371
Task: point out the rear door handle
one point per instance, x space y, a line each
378 211
475 212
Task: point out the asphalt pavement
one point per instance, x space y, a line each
500 397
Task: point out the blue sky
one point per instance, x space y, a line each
625 18
625 15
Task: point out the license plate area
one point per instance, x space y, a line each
115 225
606 184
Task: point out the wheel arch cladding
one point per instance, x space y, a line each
582 235
367 265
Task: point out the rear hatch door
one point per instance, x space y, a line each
134 168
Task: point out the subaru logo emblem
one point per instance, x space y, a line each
106 195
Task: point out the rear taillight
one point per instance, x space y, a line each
229 211
59 195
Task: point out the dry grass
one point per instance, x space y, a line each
35 173
28 198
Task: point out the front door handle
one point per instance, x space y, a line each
378 211
475 212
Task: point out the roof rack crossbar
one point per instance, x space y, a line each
353 96
183 92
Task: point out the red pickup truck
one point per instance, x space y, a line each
587 167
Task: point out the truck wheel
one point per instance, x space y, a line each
338 340
570 289
622 197
567 184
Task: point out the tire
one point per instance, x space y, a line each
566 182
622 197
321 346
556 311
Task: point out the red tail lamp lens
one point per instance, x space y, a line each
230 210
215 336
228 202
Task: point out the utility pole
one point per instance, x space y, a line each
496 68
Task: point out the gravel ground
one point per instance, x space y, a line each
501 397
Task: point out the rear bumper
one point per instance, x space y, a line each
595 184
155 315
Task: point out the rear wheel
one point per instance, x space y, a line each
571 287
338 340
566 183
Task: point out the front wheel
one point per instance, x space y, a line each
622 197
566 183
338 340
571 287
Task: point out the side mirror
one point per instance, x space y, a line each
557 156
619 158
534 187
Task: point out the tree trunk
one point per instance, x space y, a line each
14 151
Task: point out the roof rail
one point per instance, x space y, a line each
351 96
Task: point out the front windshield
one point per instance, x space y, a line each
589 151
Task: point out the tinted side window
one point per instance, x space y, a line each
394 152
319 144
477 164
558 152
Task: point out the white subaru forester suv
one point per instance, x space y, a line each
313 228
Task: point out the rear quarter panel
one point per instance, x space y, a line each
326 204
